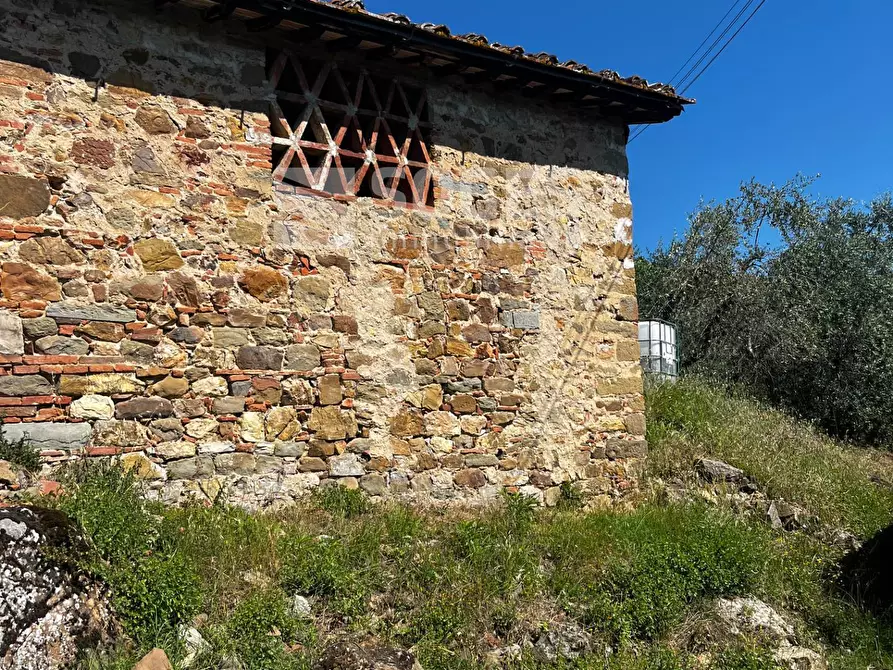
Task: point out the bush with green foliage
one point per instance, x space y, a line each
153 592
448 584
261 633
788 296
19 452
652 565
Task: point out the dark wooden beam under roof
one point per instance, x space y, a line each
630 103
346 43
262 23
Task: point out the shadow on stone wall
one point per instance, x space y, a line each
174 52
867 574
129 44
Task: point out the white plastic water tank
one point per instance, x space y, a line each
657 348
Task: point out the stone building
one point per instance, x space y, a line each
256 247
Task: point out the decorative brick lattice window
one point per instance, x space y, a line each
349 134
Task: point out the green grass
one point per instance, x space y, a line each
449 585
844 486
454 584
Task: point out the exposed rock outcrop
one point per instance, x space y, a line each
732 621
47 608
344 654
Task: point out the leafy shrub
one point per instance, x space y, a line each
633 575
154 595
262 633
107 503
19 452
341 501
152 592
324 567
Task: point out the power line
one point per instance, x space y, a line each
752 14
701 45
712 46
716 42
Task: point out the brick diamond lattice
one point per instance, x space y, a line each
348 134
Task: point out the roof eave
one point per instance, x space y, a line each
626 101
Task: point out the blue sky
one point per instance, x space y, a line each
806 88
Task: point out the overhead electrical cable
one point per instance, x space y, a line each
687 80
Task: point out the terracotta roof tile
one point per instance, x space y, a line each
516 51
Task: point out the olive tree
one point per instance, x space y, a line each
788 296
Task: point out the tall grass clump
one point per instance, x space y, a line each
845 486
154 591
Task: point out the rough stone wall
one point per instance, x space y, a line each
162 303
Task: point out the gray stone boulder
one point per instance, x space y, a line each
45 435
562 640
752 618
344 654
47 608
732 621
716 472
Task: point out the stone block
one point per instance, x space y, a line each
302 357
120 434
141 466
50 251
264 283
144 408
289 449
470 478
235 464
332 423
619 448
481 460
167 430
20 282
202 428
330 390
239 317
374 485
22 196
213 387
40 327
526 319
191 468
98 384
12 339
50 436
170 387
635 423
175 450
260 358
230 337
346 465
228 405
24 385
65 311
57 345
93 407
441 424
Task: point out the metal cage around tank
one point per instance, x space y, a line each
658 350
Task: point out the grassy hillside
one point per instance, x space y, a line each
475 589
845 486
